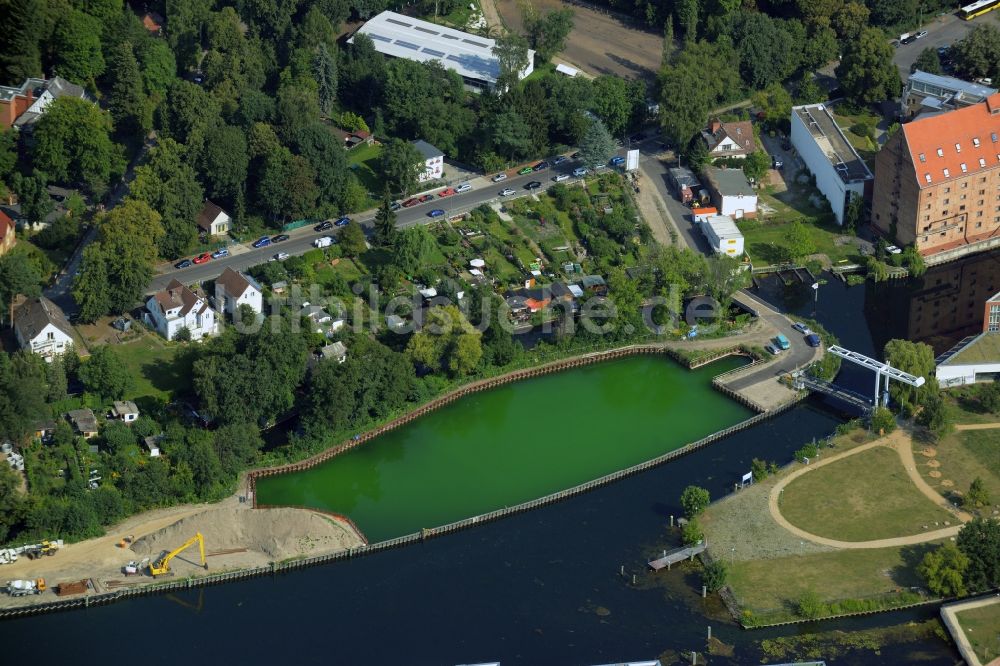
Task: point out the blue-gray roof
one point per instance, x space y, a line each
951 84
427 150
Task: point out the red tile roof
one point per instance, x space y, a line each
177 295
6 226
954 144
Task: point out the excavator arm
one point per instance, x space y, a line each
162 566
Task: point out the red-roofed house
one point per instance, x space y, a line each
729 139
7 235
177 307
937 180
153 22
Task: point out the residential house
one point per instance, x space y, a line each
213 220
433 161
686 184
83 421
936 182
152 444
926 93
733 139
7 233
125 411
320 319
354 138
177 307
41 327
594 284
44 429
153 23
731 192
991 315
839 171
334 352
233 289
21 106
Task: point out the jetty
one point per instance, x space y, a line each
677 555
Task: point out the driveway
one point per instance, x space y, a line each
941 31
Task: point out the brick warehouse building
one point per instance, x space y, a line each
937 180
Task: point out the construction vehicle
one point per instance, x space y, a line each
134 567
21 588
8 555
44 548
162 566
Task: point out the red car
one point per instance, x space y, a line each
446 193
202 258
410 202
426 198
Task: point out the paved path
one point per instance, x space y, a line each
901 443
949 613
976 426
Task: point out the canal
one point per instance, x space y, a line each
514 443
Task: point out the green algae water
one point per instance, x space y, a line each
514 443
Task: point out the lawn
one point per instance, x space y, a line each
773 587
862 497
363 161
959 458
982 628
985 350
160 369
762 239
965 401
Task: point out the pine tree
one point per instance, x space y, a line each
325 71
385 224
20 56
127 101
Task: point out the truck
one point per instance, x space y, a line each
8 555
21 588
324 241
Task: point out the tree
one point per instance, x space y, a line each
935 415
287 188
77 47
328 159
917 359
989 395
12 501
34 198
236 446
446 341
325 73
755 165
105 374
158 67
225 162
400 164
127 102
511 52
978 55
775 103
20 56
352 239
866 71
22 394
820 48
691 533
549 32
979 540
767 52
169 185
597 146
509 135
810 606
19 276
702 76
977 496
850 20
385 223
694 501
73 144
189 113
798 242
882 421
687 18
928 61
612 104
714 576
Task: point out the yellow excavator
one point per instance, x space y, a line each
162 566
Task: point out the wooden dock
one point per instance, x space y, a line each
677 555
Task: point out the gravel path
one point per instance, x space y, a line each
976 426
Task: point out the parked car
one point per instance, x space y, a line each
782 342
220 253
533 185
344 221
280 238
183 263
920 35
892 249
812 340
600 166
772 349
500 177
323 226
580 172
446 192
202 258
617 160
561 177
464 187
506 192
426 198
437 212
541 166
909 39
559 159
801 328
394 206
324 241
281 256
263 241
411 202
525 171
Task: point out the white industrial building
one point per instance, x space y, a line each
723 235
731 192
829 156
975 359
471 56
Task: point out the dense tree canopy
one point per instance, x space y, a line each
73 144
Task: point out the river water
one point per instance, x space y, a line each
536 588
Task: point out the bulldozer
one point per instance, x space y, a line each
161 567
44 548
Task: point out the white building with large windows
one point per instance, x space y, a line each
176 308
42 328
470 56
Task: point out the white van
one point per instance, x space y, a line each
324 241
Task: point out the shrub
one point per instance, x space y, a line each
694 500
883 421
691 533
809 605
714 576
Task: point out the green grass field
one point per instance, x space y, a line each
982 628
763 238
161 370
363 161
863 497
961 457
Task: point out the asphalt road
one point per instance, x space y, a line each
243 257
941 31
656 170
799 355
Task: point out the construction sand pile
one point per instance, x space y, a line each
276 534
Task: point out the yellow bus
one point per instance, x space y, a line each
979 8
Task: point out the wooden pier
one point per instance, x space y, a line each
677 555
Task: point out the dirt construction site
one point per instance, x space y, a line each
236 536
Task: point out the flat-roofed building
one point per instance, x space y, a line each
470 56
723 235
932 93
839 170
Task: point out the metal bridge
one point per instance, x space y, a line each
881 370
826 388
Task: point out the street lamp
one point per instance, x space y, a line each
815 288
